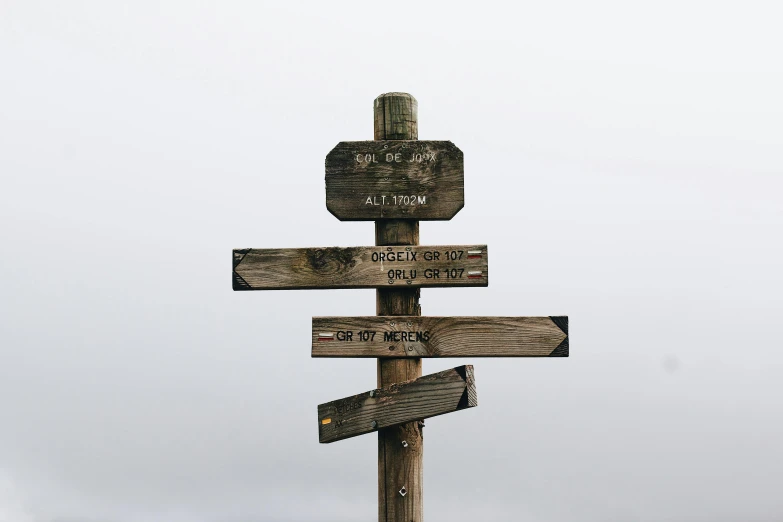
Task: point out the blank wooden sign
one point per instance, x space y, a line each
360 267
399 179
428 396
416 336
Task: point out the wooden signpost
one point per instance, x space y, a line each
416 336
359 267
369 180
410 401
396 181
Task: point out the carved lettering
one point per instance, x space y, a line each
404 200
417 336
405 256
396 157
402 274
346 407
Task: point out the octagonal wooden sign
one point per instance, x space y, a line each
395 179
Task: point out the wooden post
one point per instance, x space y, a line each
400 449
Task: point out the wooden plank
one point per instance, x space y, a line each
395 179
415 336
396 118
360 267
428 396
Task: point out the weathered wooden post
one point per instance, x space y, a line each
396 181
401 448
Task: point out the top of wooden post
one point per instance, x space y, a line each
396 117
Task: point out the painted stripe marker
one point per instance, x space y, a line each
326 337
474 254
475 274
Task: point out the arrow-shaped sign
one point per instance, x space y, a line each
427 396
360 267
414 336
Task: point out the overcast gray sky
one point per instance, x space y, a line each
622 161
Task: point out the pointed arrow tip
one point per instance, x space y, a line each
561 321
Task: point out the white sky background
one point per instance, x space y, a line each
623 163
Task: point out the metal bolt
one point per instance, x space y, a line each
391 281
372 393
405 444
391 323
373 424
410 348
410 324
403 491
391 348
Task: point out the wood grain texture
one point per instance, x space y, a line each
428 396
399 465
415 336
369 180
360 267
391 232
396 117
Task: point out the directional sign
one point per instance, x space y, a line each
400 179
427 396
360 267
414 336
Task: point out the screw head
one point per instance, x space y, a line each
374 424
405 444
391 348
391 323
403 491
